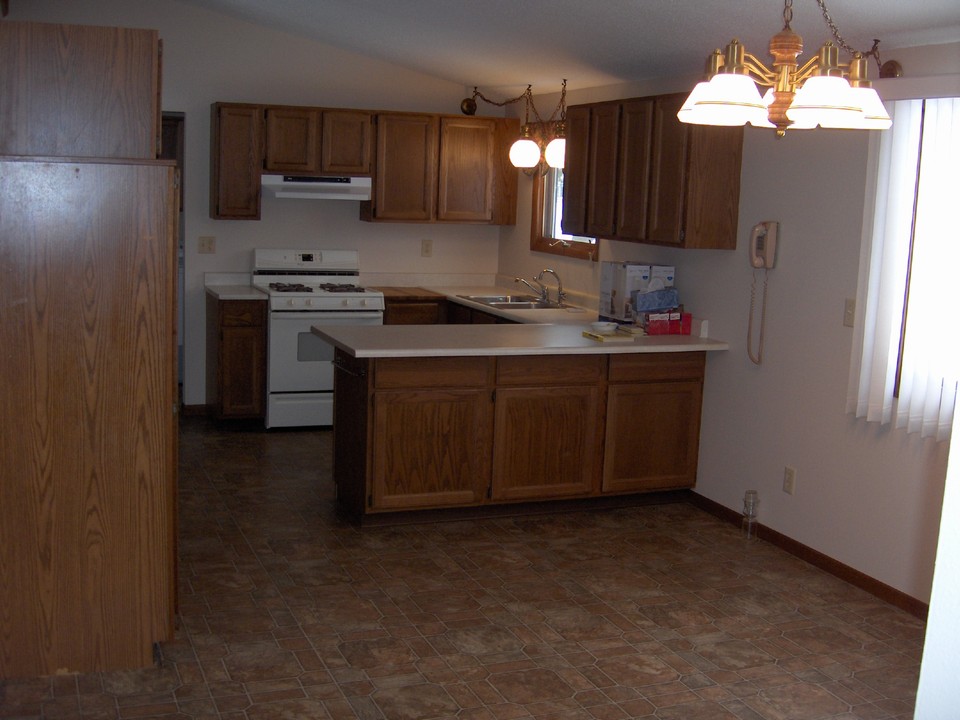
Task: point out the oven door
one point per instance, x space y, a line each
300 366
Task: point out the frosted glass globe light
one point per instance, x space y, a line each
525 153
555 152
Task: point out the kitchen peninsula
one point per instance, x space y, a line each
448 416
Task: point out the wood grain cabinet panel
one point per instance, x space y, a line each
406 175
292 139
236 160
636 173
237 357
88 425
347 142
466 170
79 91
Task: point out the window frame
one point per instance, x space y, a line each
540 243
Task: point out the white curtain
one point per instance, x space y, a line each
918 161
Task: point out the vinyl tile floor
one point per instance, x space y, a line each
660 611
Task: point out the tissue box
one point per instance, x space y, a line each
620 281
657 300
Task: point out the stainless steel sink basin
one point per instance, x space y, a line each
512 302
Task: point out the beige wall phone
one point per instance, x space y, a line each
763 256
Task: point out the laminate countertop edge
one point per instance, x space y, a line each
383 341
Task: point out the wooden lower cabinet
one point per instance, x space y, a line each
428 433
653 422
413 306
237 357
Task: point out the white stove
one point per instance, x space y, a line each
308 288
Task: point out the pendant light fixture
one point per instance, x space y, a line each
542 143
821 92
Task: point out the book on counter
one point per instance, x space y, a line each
611 337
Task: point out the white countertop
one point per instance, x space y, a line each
235 292
381 341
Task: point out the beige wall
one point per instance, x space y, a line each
867 496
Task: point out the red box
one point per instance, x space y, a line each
667 323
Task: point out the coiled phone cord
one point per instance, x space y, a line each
758 358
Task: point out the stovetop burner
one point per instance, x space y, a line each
289 287
340 287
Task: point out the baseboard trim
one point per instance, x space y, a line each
816 558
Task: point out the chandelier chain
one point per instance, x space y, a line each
787 12
835 31
528 96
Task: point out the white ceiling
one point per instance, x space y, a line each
507 44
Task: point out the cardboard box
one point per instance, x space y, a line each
620 280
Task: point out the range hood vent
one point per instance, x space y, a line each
317 188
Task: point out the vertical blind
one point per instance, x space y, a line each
909 285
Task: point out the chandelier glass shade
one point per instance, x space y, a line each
541 143
821 92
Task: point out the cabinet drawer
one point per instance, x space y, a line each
432 372
657 366
549 369
242 313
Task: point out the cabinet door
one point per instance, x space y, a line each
636 123
241 359
602 170
431 448
574 220
293 139
242 372
413 312
406 177
347 145
236 148
466 170
652 436
668 172
545 442
713 187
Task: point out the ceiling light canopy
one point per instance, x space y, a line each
821 92
542 143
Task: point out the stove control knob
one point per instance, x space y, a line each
290 303
363 303
345 302
309 302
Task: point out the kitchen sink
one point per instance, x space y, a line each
513 302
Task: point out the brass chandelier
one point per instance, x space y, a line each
821 92
541 143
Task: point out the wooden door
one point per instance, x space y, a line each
406 177
242 359
711 212
236 161
668 172
347 146
292 139
602 169
636 124
466 170
88 414
575 173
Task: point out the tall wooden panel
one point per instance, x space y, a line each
406 177
87 414
466 170
79 91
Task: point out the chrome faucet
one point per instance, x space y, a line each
561 295
540 290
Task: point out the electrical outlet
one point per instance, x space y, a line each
426 247
849 312
789 480
206 244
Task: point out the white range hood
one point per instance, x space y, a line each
306 187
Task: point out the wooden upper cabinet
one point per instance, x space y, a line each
79 91
406 176
435 168
236 150
347 144
575 176
633 179
602 169
312 141
292 139
674 184
466 169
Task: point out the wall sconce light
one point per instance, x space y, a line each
541 143
821 92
